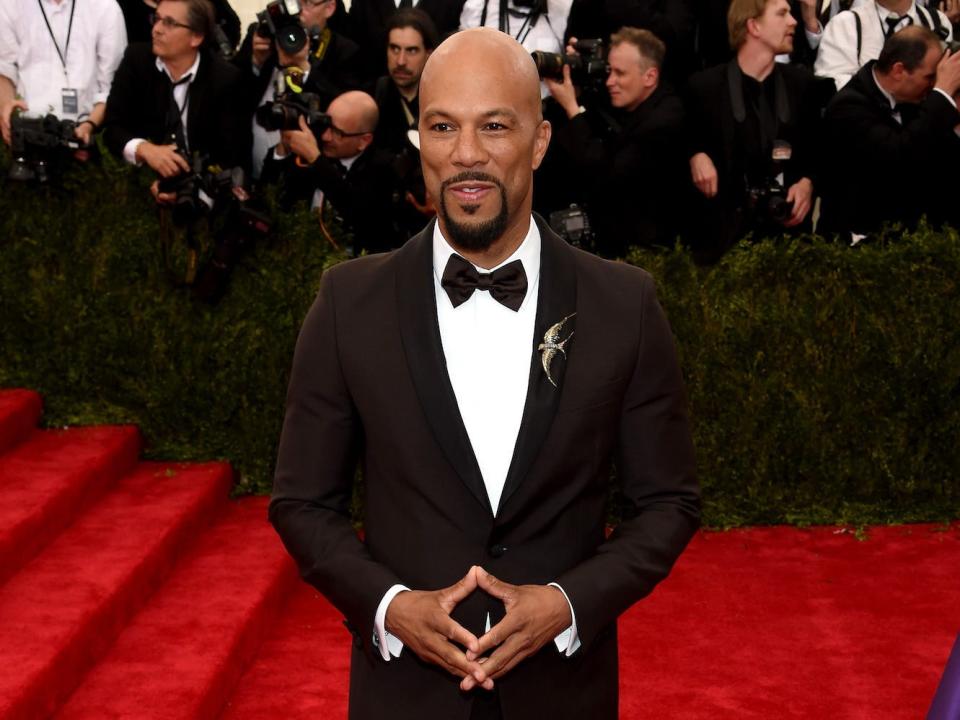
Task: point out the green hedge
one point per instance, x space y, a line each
824 381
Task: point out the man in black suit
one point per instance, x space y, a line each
751 131
369 20
890 134
630 166
486 409
174 99
343 169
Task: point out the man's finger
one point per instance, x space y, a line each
453 659
498 634
494 586
505 657
455 632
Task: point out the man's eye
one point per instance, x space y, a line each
495 126
440 127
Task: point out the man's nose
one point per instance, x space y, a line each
468 149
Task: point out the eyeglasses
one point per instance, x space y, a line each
168 22
340 134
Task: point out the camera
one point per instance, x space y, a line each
281 21
285 111
573 225
36 144
588 69
768 202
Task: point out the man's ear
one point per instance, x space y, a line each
752 28
329 9
196 39
541 142
651 77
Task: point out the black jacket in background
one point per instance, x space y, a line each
712 129
364 197
877 169
140 98
634 178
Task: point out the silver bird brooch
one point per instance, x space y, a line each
552 344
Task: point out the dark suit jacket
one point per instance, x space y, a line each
712 128
877 169
140 98
365 197
634 179
335 73
369 381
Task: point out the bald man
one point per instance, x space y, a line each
485 375
343 169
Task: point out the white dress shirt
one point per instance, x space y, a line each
837 57
181 94
487 348
29 58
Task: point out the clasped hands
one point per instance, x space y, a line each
535 615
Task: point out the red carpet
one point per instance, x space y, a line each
138 590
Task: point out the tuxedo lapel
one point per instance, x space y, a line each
556 300
420 333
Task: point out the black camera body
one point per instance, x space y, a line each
280 21
573 225
38 142
285 111
588 68
768 202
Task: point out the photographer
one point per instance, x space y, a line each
57 60
892 141
332 59
175 99
631 163
341 169
751 129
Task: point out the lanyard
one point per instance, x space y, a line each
66 48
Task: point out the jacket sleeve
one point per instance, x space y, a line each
122 120
313 484
655 469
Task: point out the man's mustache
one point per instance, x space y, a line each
467 176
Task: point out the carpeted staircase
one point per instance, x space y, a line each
138 590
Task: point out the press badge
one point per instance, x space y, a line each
71 102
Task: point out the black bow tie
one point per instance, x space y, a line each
507 285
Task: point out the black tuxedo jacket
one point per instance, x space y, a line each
140 98
877 169
369 381
635 178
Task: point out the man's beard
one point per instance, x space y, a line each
480 236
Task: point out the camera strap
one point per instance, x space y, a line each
66 47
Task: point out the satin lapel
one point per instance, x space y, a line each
557 298
420 332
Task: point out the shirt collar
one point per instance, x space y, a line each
888 96
528 254
191 71
884 13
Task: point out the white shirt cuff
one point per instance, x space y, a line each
387 644
130 151
567 642
946 95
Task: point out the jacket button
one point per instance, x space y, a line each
497 551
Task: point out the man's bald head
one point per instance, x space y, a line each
482 134
484 50
356 110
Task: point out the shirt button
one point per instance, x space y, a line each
497 551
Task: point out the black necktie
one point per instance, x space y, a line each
892 22
507 285
175 113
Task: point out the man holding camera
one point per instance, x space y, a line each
175 99
334 163
752 123
631 163
54 60
891 134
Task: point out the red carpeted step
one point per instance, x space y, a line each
62 611
182 655
302 668
48 480
19 413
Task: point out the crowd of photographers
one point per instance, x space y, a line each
704 119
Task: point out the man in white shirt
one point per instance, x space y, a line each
486 374
56 59
855 36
